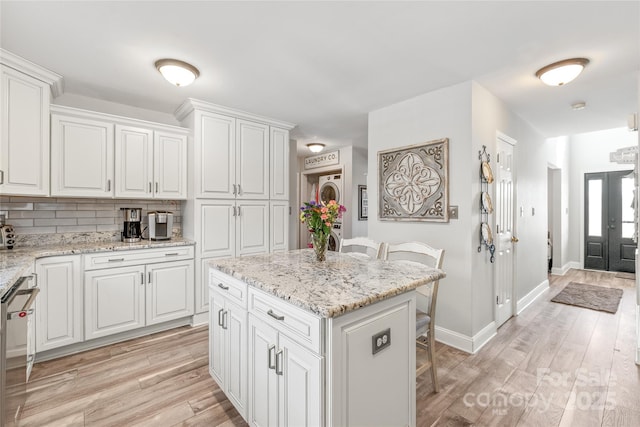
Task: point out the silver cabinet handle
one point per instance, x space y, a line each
156 186
1 177
272 352
141 278
239 212
274 315
234 211
239 190
220 316
149 186
149 282
172 254
234 189
108 185
224 319
116 259
221 286
279 357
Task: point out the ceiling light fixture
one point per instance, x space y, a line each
579 105
315 147
561 72
177 72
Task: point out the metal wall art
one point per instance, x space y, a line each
413 182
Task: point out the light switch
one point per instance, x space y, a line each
380 341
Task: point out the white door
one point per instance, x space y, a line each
252 159
202 284
279 165
114 301
24 139
170 166
215 160
300 398
217 342
134 162
217 228
263 380
169 293
279 226
81 157
252 227
235 324
505 230
60 306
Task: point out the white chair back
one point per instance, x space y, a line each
362 246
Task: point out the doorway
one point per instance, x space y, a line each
609 221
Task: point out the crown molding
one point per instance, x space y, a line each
34 70
191 104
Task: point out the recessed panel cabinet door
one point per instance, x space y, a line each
279 164
235 323
252 176
218 228
24 140
263 380
170 166
134 165
81 157
252 222
215 155
217 341
114 300
169 292
279 226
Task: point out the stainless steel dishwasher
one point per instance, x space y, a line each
17 314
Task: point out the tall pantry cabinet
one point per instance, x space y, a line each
238 174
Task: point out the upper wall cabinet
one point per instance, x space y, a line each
100 155
252 160
25 92
279 164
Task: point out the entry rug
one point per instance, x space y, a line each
589 296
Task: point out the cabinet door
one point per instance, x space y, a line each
252 224
59 306
114 301
217 342
24 139
169 293
263 381
215 155
252 152
300 391
217 228
134 165
279 226
235 324
279 164
81 157
170 166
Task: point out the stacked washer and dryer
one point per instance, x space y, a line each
330 187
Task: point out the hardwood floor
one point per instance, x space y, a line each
554 365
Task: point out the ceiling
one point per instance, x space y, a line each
325 65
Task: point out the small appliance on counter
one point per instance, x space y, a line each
7 235
160 225
131 231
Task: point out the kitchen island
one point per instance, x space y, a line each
300 342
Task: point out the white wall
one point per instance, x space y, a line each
470 117
359 228
590 153
558 159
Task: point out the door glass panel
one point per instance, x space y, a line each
595 207
627 207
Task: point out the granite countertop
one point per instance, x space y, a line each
331 288
14 262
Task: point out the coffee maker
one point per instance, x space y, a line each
131 226
160 225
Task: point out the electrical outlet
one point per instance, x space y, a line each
380 341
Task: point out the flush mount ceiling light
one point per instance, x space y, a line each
579 105
177 72
315 147
561 72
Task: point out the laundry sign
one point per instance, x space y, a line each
326 159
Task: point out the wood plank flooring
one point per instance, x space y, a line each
554 365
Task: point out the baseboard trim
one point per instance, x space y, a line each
463 342
199 319
563 270
529 298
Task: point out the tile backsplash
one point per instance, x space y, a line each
43 218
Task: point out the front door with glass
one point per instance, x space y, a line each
609 221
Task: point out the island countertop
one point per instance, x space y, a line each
330 288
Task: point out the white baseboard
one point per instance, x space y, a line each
200 319
563 270
526 300
464 342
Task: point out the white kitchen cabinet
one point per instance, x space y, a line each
252 227
252 160
132 289
114 300
24 139
285 379
279 226
150 164
169 291
81 156
214 158
59 306
279 164
228 340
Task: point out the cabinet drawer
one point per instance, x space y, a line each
294 322
233 289
136 257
